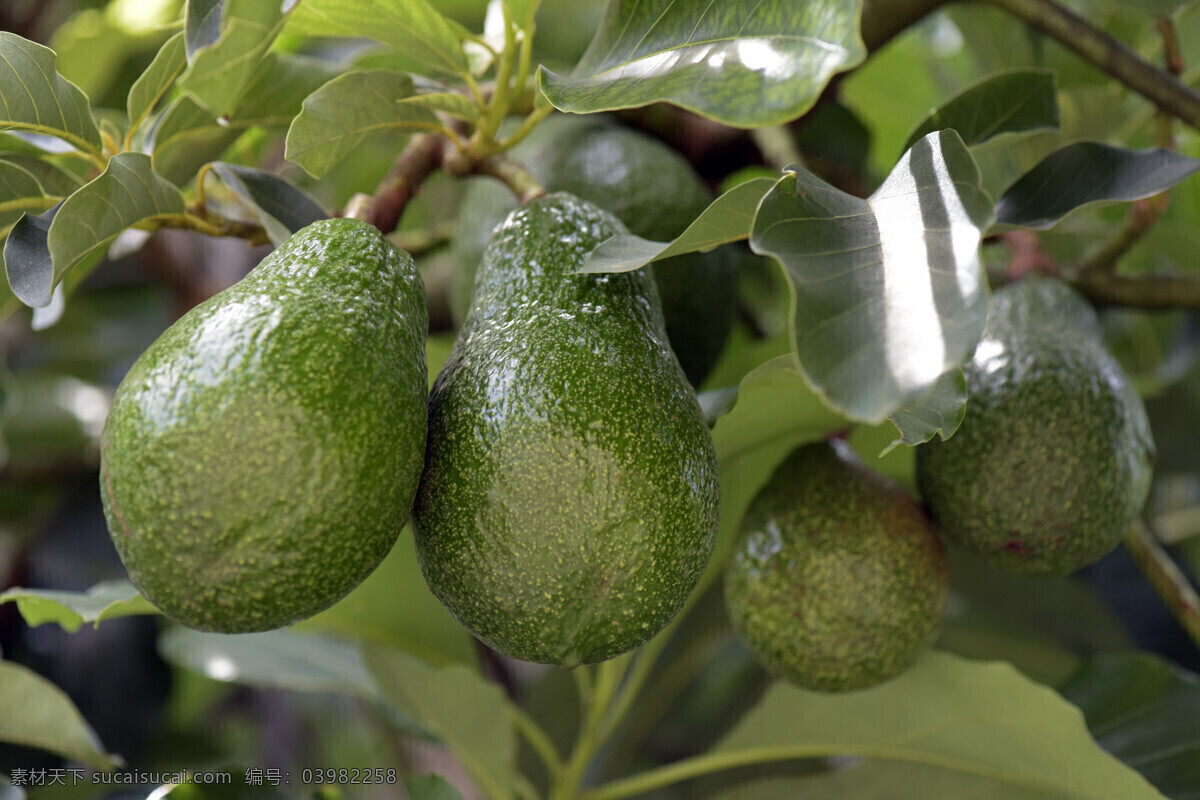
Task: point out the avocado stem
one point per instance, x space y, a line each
1166 578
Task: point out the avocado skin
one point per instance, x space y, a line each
838 581
650 188
261 456
1052 462
570 497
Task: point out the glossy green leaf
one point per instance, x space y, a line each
36 99
431 787
156 81
36 713
1084 173
939 414
413 27
70 610
985 721
728 219
349 111
219 71
745 63
1008 102
1146 712
469 714
282 208
889 292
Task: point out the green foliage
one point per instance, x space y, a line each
69 610
38 714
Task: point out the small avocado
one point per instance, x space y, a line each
838 580
570 497
648 186
261 456
1052 462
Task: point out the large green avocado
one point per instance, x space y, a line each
650 188
570 497
1052 461
838 580
262 455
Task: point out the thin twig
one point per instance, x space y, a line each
1171 584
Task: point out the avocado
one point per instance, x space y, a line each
648 186
570 497
838 580
1051 464
261 456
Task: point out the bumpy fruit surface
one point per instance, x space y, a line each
1052 461
838 580
570 498
649 187
262 455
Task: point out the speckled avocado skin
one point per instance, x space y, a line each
838 581
570 497
649 187
262 455
1052 462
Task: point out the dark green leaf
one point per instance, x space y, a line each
27 261
187 137
468 713
19 193
282 208
1089 172
70 610
35 713
939 414
219 71
431 787
412 27
1008 102
889 292
350 110
728 219
1145 712
742 62
35 98
156 81
203 24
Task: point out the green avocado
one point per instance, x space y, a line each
570 497
649 187
1052 462
838 580
262 455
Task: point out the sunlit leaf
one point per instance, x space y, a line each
746 63
939 414
36 713
728 219
35 98
889 292
1089 172
413 27
70 610
349 111
219 70
153 84
282 207
1007 102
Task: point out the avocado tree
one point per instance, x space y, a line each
826 195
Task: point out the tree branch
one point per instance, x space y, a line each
1171 584
420 158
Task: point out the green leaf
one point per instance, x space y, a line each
452 103
986 722
27 263
939 414
35 713
36 99
282 208
219 71
70 610
889 292
202 27
1007 102
1089 172
729 218
412 27
453 703
128 192
187 137
431 787
349 111
1145 712
153 84
746 63
19 193
277 90
54 180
